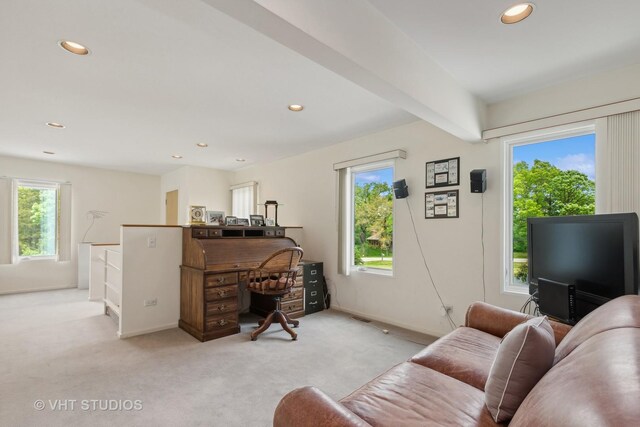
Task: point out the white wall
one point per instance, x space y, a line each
150 273
613 86
128 197
197 186
306 186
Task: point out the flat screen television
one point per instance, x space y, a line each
596 253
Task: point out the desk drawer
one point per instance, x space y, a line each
221 292
224 306
222 322
296 293
291 306
198 232
220 279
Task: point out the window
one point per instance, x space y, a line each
550 174
37 214
371 217
243 199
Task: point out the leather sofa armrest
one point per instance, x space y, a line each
498 321
310 407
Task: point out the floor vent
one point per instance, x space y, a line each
362 319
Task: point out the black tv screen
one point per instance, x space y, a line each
596 253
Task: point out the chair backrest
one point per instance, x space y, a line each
283 260
278 272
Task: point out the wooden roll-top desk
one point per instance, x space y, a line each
215 260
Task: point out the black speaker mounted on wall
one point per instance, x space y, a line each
400 189
478 180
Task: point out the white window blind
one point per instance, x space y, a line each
621 180
243 199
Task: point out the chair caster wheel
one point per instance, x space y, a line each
254 338
294 339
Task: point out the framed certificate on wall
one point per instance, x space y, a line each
442 173
441 204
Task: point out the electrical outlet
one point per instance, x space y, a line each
150 302
444 309
151 241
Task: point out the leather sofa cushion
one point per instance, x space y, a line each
465 354
412 395
622 312
525 355
598 384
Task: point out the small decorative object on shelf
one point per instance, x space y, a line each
231 220
215 218
197 214
243 221
266 210
270 222
257 220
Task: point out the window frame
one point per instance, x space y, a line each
350 215
17 258
508 143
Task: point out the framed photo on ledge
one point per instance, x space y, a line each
443 173
215 218
231 220
257 220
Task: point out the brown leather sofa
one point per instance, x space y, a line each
595 379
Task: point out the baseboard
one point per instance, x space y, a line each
24 291
148 331
437 334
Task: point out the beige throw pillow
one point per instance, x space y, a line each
524 356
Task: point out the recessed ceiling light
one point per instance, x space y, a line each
202 145
177 156
240 160
516 13
55 125
295 107
48 152
73 47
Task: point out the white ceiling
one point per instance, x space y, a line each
562 40
164 75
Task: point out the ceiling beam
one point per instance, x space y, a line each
353 39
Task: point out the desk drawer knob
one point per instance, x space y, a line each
222 322
222 293
236 265
220 279
222 307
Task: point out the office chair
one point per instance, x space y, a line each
275 277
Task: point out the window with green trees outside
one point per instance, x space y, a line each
551 178
37 219
373 217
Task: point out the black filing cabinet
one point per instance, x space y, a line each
312 277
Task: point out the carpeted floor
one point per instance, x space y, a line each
58 347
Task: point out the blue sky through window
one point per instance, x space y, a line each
575 153
379 175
